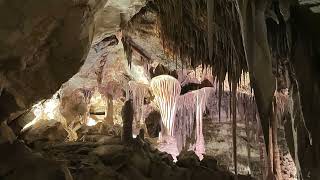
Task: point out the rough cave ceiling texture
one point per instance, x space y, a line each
108 20
142 32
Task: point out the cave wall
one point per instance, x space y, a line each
42 45
306 62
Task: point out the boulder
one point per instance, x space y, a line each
51 131
106 151
141 161
209 162
188 159
167 158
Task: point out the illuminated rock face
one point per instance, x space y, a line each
74 109
166 90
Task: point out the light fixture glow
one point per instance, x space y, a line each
91 122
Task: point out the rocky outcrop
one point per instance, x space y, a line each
45 131
43 44
306 97
20 163
161 70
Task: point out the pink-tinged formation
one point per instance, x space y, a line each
166 90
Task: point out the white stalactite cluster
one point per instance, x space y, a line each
184 124
188 127
166 90
138 92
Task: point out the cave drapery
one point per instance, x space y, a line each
166 90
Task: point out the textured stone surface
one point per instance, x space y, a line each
91 160
20 163
43 44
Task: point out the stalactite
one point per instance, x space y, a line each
219 99
270 150
210 14
127 49
234 126
201 97
188 125
138 92
246 108
262 150
99 70
276 150
185 120
203 39
166 90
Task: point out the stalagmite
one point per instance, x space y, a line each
166 90
247 128
127 118
109 109
111 90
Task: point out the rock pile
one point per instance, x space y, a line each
106 158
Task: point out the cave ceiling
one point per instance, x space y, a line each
43 44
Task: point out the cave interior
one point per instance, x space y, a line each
160 89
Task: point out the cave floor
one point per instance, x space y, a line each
101 156
108 158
